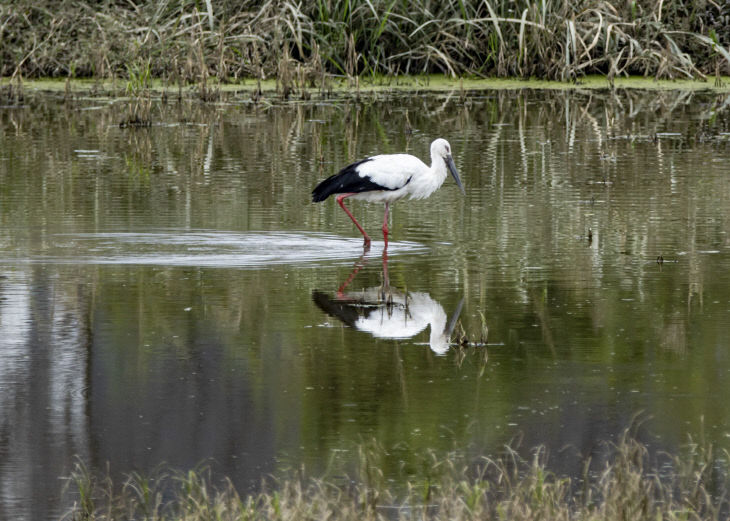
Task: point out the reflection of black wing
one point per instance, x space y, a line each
343 310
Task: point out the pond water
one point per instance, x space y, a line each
170 295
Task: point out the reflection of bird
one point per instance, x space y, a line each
387 178
391 314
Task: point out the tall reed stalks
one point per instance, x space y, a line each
191 41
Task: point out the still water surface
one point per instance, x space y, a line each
170 295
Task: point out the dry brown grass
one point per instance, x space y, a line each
193 42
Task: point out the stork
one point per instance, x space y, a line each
387 178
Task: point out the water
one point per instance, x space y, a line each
170 295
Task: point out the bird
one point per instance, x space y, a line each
387 178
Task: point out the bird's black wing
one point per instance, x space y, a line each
346 181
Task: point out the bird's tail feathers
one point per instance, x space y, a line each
346 180
324 189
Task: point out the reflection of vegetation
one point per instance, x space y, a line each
508 487
138 158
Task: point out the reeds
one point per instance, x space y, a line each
299 42
688 487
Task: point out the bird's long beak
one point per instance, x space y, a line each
452 169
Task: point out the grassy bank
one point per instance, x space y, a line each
687 487
378 84
305 43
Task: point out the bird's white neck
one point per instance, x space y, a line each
426 184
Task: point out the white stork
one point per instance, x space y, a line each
388 178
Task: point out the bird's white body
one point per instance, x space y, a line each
401 175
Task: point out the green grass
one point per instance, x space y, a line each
369 86
690 487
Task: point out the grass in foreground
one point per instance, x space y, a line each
690 487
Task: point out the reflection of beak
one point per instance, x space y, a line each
452 169
452 323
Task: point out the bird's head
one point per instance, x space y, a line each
441 148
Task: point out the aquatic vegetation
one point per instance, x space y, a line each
304 44
449 486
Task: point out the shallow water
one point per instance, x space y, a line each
170 295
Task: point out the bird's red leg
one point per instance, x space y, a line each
340 200
385 226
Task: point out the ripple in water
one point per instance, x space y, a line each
209 249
